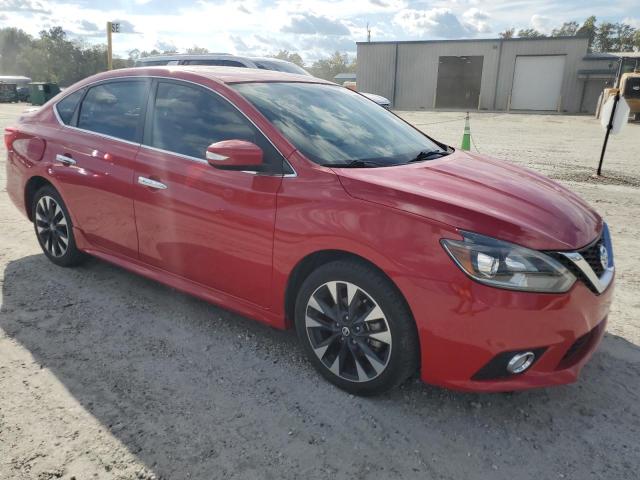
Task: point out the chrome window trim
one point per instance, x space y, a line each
187 157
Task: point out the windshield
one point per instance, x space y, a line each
285 67
334 126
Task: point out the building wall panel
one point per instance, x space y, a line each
410 79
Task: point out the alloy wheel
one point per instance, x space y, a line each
51 226
348 331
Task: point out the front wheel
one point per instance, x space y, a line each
356 328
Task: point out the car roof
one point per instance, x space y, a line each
216 73
185 56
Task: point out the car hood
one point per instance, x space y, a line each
379 99
481 194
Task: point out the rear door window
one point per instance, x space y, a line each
115 109
67 106
186 119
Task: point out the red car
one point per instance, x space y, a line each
304 205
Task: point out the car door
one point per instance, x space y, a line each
94 158
214 227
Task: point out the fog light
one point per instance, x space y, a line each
520 362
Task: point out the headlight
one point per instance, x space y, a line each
505 265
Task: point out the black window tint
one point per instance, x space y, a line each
188 119
220 63
151 63
67 106
114 109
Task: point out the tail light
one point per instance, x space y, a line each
10 134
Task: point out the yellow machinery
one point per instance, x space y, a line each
627 83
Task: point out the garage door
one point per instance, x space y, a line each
537 82
459 80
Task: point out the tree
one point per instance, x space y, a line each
13 43
195 50
328 68
623 40
636 40
568 29
588 30
289 57
530 33
603 40
508 33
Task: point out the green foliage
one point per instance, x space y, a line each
328 68
196 50
51 57
588 30
289 57
530 33
603 41
568 29
606 37
508 33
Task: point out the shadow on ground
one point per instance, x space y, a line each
194 391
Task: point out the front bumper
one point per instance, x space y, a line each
466 325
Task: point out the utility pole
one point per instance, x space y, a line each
111 29
109 47
368 33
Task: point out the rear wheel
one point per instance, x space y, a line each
53 228
356 328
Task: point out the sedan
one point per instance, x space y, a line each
305 206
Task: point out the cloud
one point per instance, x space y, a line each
634 22
476 20
311 24
239 44
541 23
89 27
244 9
23 6
166 46
437 22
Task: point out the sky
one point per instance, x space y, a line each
314 29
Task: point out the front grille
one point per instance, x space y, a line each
591 253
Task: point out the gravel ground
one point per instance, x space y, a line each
104 374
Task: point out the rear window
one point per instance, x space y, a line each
151 63
280 67
220 63
114 109
67 106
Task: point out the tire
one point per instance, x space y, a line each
53 227
373 351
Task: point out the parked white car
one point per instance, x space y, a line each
228 60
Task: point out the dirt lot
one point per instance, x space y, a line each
104 374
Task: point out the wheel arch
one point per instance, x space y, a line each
310 262
34 184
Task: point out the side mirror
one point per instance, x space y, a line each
234 155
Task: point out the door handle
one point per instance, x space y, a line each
147 182
65 160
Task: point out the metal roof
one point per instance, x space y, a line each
218 74
462 40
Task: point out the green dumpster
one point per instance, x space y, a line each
41 92
8 92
